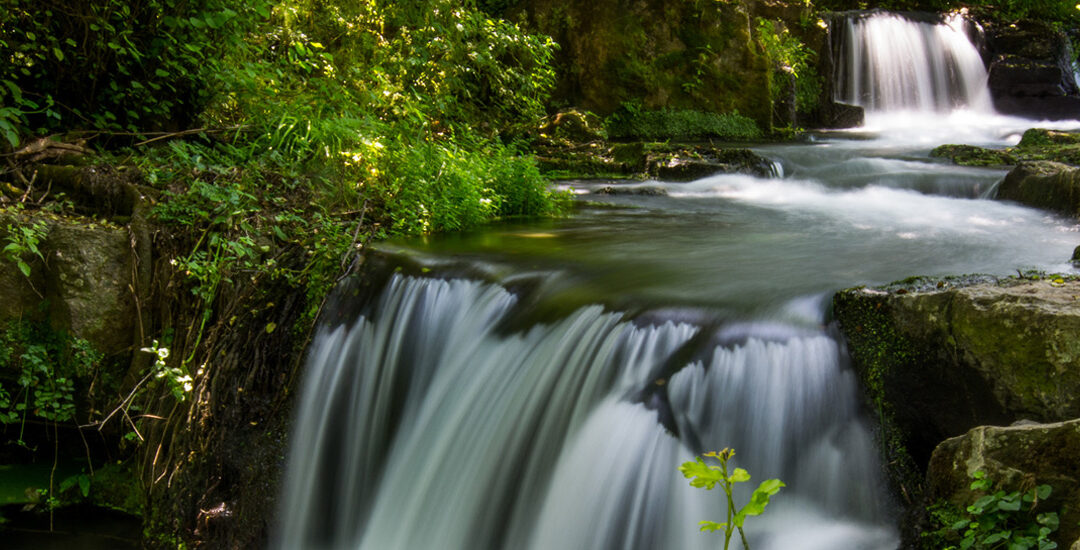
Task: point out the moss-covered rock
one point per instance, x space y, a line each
1015 458
1038 137
1038 144
1043 184
970 155
84 284
937 362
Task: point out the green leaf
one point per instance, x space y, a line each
161 72
1049 519
739 476
84 485
1043 492
24 268
758 501
701 474
1009 505
16 92
59 54
712 526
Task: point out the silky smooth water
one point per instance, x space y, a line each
893 63
549 405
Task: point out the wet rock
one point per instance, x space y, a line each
1016 458
841 115
655 160
1031 73
1043 184
1076 256
647 190
696 162
936 362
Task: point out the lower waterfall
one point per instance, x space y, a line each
428 423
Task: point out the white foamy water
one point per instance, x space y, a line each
423 426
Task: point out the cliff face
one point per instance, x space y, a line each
687 54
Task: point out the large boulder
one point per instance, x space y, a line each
1015 458
1043 184
938 358
88 283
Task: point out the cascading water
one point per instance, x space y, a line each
890 63
427 425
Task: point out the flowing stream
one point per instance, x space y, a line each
546 400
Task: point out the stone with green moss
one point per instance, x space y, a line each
939 359
1037 137
970 155
1044 184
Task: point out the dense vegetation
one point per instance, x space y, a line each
353 100
271 141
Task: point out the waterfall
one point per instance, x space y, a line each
429 423
889 62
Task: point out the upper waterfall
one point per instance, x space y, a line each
889 62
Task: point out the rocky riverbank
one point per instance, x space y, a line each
940 357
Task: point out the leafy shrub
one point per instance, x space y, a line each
435 186
995 520
633 121
789 55
41 366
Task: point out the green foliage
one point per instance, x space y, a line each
435 186
41 366
995 520
788 55
109 63
634 121
706 476
22 241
